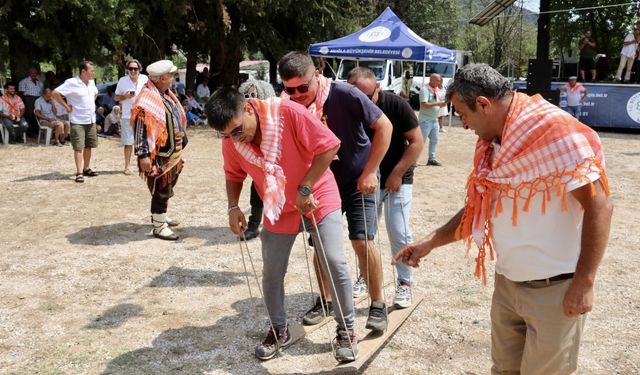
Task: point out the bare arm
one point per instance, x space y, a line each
368 179
56 95
319 165
446 234
596 225
237 221
409 157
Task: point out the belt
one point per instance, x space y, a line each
563 276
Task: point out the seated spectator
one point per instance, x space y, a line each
112 122
45 112
202 91
109 100
13 110
100 116
192 118
196 107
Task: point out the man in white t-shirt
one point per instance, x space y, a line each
202 91
576 95
127 91
538 196
628 55
81 93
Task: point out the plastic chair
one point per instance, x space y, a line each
48 130
4 133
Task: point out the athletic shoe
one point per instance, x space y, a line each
346 345
434 162
377 317
315 315
360 287
270 346
403 295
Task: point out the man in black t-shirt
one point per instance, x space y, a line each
587 48
396 171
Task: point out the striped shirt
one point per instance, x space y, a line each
30 88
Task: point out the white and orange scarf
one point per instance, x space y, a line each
271 126
150 108
542 150
316 108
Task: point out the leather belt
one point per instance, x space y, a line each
563 276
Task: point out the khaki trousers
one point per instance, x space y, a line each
530 334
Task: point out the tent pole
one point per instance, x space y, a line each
455 65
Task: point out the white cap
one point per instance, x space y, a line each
161 67
573 78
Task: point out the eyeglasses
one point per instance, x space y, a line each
236 133
301 89
131 68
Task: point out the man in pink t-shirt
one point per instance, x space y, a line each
287 152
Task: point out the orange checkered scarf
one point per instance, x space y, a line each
151 110
271 126
543 148
316 108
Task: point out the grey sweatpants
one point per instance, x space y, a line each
276 249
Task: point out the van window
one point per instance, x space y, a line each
444 69
377 66
397 69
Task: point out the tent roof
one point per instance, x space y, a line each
387 37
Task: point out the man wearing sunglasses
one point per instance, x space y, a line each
127 90
287 152
354 119
159 130
396 171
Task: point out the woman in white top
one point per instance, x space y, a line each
127 90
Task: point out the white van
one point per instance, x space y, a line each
388 72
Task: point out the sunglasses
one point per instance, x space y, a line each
301 89
236 133
131 68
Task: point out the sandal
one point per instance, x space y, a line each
79 177
89 173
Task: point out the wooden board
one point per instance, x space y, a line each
356 301
371 343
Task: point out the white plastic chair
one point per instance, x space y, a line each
48 130
5 135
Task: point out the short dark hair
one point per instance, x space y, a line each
6 85
294 64
85 65
225 104
361 72
476 80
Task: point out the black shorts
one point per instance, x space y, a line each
587 63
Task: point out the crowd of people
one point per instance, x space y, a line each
537 195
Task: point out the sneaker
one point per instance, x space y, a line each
270 346
403 295
443 130
377 317
315 315
360 287
346 345
434 162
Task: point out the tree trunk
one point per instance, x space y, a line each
192 62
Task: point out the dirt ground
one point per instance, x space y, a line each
85 290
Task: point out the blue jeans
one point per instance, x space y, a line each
430 129
397 210
574 111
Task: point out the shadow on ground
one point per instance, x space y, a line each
115 316
226 346
123 233
176 277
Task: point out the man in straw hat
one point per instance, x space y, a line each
538 195
159 125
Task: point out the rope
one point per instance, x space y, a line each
364 214
244 264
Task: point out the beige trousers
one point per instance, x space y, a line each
530 334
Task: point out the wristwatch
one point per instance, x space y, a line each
304 190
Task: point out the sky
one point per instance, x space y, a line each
532 5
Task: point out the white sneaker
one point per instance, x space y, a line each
360 287
403 296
